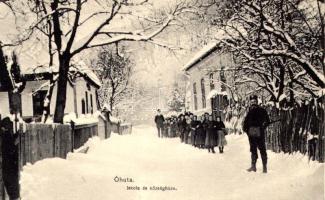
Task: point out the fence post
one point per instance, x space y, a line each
105 128
72 135
119 128
2 192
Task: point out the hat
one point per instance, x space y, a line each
253 97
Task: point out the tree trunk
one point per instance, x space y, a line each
62 88
281 77
46 110
290 85
111 103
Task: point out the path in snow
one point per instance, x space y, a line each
151 161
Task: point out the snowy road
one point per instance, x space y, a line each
150 161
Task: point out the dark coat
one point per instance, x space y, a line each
211 125
201 134
187 128
173 127
205 124
258 117
166 126
159 120
194 124
211 134
219 125
181 125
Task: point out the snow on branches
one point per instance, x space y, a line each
278 45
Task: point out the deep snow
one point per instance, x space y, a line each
151 161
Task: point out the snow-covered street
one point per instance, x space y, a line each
188 172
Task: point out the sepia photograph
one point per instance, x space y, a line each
162 99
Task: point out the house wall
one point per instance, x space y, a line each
69 104
32 86
202 70
81 88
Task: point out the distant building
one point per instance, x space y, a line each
207 91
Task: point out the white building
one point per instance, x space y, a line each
208 90
81 95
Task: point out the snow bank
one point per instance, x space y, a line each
91 143
151 161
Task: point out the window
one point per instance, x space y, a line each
38 102
91 104
86 94
211 82
83 107
204 104
88 87
195 96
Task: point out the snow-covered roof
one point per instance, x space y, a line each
79 66
205 51
215 92
86 71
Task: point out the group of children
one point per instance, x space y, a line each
200 131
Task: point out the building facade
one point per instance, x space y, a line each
81 97
207 80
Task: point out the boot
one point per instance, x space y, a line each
264 169
253 165
264 161
220 149
209 150
252 168
213 150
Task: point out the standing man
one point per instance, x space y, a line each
254 125
159 120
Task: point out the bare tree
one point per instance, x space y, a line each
67 20
115 72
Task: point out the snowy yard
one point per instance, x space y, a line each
150 161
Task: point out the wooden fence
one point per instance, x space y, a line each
81 133
300 129
122 128
41 141
44 141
